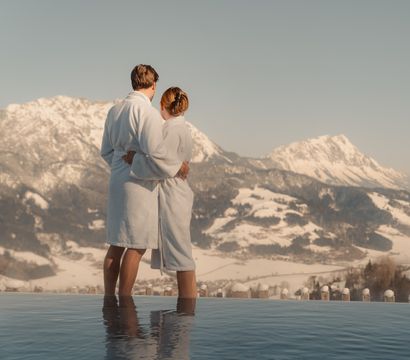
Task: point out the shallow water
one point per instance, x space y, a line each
75 327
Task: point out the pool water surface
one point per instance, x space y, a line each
41 326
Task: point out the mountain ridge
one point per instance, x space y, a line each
53 186
335 160
331 159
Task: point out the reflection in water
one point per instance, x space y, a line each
167 336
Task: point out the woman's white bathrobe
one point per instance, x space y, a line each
175 198
132 212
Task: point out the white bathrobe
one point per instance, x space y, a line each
132 212
175 197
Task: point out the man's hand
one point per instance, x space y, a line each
128 157
183 171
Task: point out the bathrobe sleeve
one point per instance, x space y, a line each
107 150
158 159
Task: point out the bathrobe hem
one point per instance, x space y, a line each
132 246
171 268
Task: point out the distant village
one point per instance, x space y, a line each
233 290
379 281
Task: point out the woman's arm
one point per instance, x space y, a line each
157 160
153 167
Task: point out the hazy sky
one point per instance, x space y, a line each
259 73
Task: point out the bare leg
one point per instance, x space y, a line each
112 263
186 284
186 306
129 322
129 270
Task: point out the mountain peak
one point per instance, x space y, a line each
334 159
340 138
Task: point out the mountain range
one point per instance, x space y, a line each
318 200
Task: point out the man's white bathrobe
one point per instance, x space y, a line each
132 213
175 197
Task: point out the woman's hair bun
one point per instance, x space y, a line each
175 101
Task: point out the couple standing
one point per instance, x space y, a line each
149 200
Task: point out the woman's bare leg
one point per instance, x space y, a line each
129 270
186 306
112 263
186 284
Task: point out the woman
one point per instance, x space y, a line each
175 196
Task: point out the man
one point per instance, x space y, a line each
132 212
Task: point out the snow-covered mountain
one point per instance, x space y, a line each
66 132
335 160
53 186
51 141
205 149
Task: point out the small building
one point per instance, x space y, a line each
254 291
260 291
304 293
239 290
168 291
335 293
263 291
284 294
366 295
203 290
148 290
157 291
219 293
389 296
345 294
324 293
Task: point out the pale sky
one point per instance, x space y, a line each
259 73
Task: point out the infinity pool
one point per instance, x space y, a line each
84 327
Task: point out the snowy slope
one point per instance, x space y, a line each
335 160
53 187
268 218
51 141
204 148
87 271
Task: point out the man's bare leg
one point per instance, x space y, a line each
129 270
112 263
128 317
186 284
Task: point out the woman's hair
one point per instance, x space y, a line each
175 101
143 77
